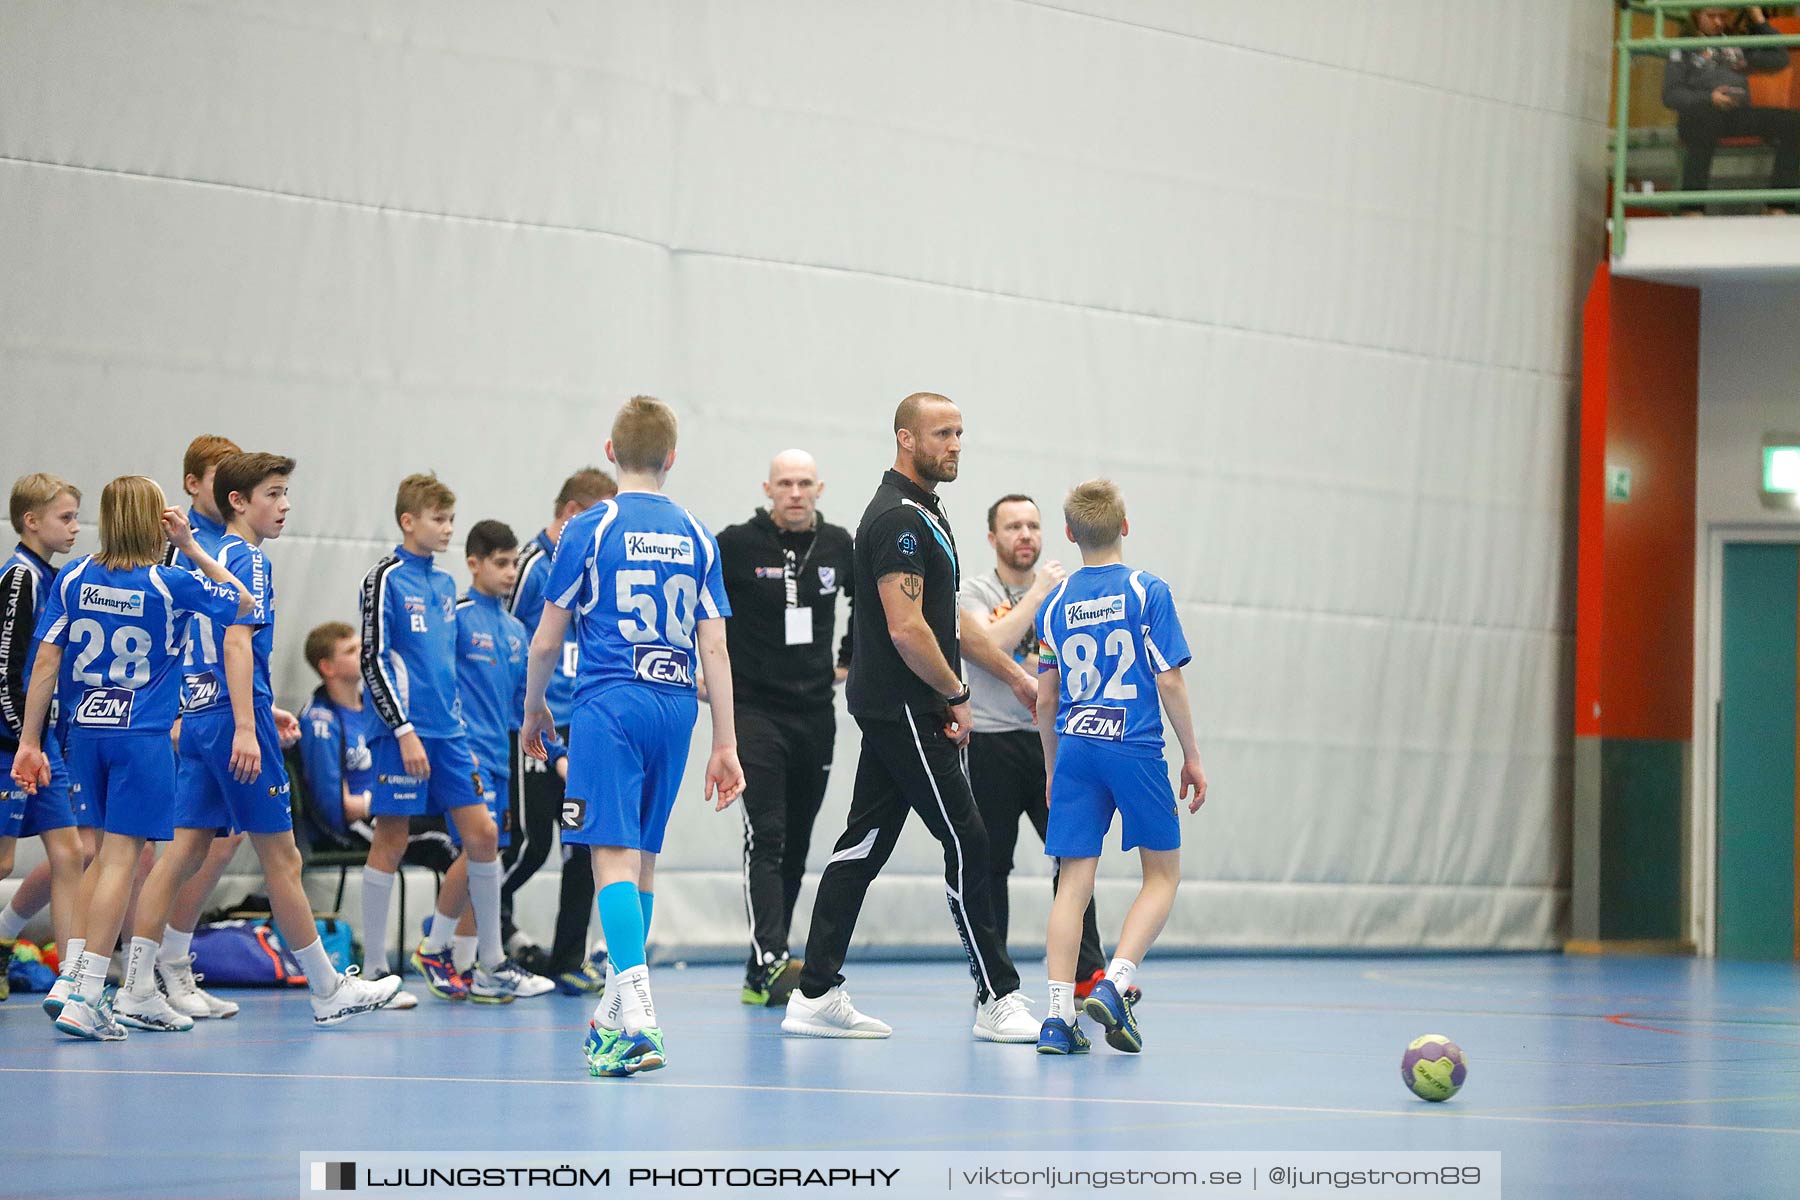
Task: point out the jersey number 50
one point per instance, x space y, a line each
639 619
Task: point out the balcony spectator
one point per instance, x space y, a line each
1710 93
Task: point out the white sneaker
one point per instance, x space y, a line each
152 1012
833 1016
179 983
59 994
400 999
1006 1019
509 974
498 986
90 1022
354 995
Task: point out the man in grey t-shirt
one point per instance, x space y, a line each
1006 757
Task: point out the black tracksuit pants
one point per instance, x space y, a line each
1007 771
908 764
786 758
536 802
1702 128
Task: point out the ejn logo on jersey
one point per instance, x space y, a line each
660 664
202 691
1096 721
660 547
1094 612
120 601
105 708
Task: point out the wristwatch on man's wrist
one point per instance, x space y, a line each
961 697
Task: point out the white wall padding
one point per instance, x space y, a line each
1303 278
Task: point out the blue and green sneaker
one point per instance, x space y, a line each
1113 1012
631 1053
1062 1037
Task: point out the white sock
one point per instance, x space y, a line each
1062 1001
176 945
93 970
140 968
462 952
637 1011
321 977
1120 971
443 928
11 924
484 894
72 954
377 891
607 1012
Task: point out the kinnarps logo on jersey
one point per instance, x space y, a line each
1094 612
660 547
105 708
119 601
1096 721
659 664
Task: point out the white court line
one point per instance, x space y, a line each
1436 1114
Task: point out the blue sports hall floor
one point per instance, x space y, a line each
1595 1077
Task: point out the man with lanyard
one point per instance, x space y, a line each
784 569
908 697
1006 758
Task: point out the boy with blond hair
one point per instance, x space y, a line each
1110 653
44 511
645 577
423 761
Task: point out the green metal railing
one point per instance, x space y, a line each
1659 45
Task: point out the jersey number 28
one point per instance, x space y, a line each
130 666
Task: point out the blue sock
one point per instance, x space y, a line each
623 921
647 902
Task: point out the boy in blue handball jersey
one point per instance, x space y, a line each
644 577
1110 653
118 614
490 679
231 775
424 765
45 514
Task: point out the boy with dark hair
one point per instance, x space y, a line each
174 959
231 774
1110 653
423 762
537 790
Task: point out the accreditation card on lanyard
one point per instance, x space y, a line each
799 620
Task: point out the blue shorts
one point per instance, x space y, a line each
493 788
23 816
207 796
627 750
1093 780
455 781
85 817
126 780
